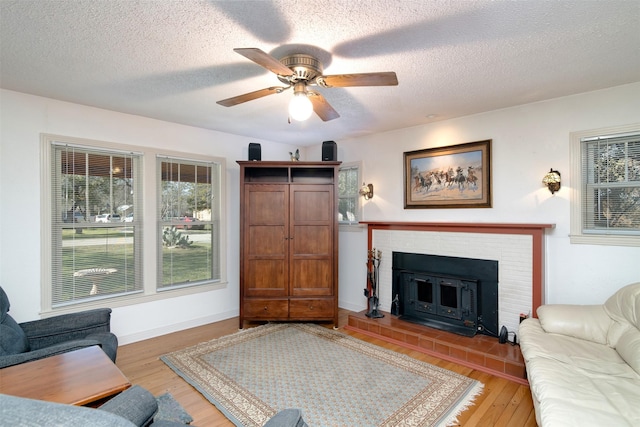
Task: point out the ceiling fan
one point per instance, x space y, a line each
301 71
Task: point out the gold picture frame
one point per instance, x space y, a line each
456 176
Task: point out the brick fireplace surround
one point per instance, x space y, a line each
481 352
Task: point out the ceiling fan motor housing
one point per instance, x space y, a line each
305 68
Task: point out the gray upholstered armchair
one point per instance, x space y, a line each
38 339
133 407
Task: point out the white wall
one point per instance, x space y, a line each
527 141
22 119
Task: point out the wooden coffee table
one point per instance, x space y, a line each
79 377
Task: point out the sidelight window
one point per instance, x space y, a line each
349 205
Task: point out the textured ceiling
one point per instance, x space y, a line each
172 60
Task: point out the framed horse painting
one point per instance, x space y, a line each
457 176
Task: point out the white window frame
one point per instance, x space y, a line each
578 236
214 223
353 225
149 228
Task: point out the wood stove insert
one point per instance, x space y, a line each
458 295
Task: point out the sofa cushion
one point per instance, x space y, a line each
586 355
587 322
624 305
569 396
624 309
628 348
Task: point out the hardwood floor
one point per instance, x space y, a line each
502 403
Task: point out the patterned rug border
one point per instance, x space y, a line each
455 392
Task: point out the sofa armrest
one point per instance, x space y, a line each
287 418
134 404
66 327
587 322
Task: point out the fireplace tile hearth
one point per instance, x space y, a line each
481 352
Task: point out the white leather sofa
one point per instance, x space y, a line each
583 362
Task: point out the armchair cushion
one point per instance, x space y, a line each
12 338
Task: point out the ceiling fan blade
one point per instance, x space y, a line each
321 107
363 79
230 102
264 60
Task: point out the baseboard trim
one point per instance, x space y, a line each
176 327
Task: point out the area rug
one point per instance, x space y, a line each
334 378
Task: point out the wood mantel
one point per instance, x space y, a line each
536 231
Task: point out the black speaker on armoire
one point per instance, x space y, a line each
329 151
255 151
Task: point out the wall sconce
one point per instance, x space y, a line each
366 191
552 180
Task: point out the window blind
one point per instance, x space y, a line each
611 184
96 233
189 226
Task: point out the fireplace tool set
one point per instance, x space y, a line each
371 292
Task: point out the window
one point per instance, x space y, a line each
95 252
95 216
189 228
606 203
349 205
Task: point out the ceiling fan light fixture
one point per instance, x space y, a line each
300 106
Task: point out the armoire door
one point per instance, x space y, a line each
266 240
311 217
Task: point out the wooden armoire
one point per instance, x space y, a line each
288 241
